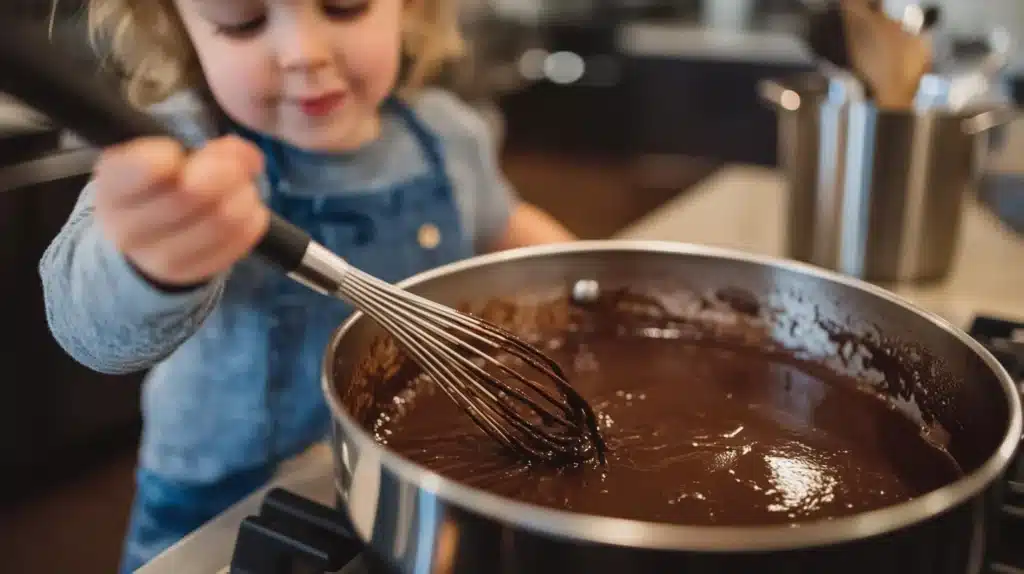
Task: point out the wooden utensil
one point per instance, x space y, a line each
890 59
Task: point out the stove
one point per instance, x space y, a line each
1005 340
293 534
293 526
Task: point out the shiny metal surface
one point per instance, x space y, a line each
321 270
456 350
425 523
875 194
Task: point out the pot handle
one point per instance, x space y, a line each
294 531
990 119
778 95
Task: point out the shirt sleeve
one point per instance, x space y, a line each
497 198
101 311
485 195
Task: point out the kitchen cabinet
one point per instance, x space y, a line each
55 415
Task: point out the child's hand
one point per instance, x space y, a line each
181 219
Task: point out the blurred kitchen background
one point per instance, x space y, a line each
604 111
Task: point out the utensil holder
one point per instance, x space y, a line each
875 194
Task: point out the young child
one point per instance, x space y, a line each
286 104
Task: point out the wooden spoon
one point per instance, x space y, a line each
889 58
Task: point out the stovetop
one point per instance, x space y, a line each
290 533
1005 340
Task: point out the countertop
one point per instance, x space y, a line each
743 207
740 207
781 43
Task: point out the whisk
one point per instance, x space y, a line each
477 364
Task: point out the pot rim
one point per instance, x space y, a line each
658 536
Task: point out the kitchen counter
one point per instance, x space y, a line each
740 207
780 41
743 208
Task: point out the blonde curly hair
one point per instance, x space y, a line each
148 42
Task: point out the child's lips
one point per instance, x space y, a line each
321 105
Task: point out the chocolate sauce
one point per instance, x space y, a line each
698 432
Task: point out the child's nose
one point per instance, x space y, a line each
304 47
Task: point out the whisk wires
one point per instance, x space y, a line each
478 365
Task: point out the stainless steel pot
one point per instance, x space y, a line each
876 194
420 522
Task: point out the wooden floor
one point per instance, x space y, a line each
76 524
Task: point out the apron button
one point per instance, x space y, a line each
429 236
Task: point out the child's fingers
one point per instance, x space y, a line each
165 213
128 173
205 180
209 244
241 150
245 222
222 164
182 218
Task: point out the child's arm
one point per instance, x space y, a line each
101 311
144 255
529 225
99 307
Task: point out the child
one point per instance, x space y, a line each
290 103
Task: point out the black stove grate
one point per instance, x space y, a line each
293 535
1005 340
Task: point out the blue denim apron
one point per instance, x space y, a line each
392 234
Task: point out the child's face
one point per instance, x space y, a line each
310 72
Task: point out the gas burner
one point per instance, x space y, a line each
293 534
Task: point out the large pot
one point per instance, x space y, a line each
876 194
420 522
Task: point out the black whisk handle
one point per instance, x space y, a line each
284 244
36 72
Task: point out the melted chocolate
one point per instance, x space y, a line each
697 432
